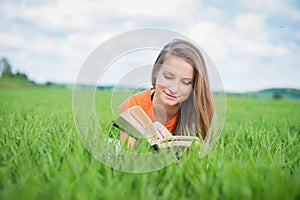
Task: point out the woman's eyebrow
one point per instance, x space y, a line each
189 79
169 71
173 72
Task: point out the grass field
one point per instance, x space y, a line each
42 157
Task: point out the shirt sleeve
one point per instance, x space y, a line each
129 102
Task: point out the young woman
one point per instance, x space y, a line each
180 98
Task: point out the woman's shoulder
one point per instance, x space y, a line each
142 99
144 95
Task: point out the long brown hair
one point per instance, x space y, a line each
196 111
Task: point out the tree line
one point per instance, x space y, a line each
6 69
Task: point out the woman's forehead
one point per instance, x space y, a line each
178 66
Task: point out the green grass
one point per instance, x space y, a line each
42 157
16 81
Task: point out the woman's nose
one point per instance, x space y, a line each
174 87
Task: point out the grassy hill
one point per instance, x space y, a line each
285 93
16 81
288 93
20 80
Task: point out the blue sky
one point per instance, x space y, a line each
253 44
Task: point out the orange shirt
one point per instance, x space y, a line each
143 99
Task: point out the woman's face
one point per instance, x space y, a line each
174 82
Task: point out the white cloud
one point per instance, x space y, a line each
241 49
79 14
58 37
253 35
252 25
50 17
280 7
12 41
248 36
154 8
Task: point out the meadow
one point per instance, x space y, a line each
42 157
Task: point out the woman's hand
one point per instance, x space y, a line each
162 131
124 138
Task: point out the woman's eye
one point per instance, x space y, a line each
187 82
168 76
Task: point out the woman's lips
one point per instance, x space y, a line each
170 96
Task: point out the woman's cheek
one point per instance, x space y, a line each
185 89
163 81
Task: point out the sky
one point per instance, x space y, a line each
253 44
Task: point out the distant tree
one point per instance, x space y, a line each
48 83
277 95
20 74
5 67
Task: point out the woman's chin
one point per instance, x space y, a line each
170 102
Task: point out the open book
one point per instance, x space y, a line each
136 123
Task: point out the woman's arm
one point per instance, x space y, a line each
131 142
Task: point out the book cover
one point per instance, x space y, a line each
136 123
